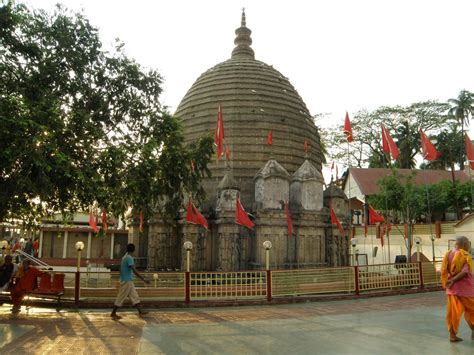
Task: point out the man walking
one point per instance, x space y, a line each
127 288
457 278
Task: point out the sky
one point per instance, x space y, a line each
339 55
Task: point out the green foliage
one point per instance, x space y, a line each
462 108
406 202
450 143
81 125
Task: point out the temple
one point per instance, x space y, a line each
255 99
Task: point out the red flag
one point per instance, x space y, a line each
348 128
219 134
305 147
288 220
388 144
194 216
469 152
241 217
140 227
374 217
92 223
227 153
428 149
270 138
104 219
335 221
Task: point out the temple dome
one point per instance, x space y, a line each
255 99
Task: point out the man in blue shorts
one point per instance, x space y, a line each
127 288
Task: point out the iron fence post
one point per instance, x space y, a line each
356 280
187 286
420 268
269 285
77 288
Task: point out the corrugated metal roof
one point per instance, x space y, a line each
367 179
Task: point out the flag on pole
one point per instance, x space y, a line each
219 134
305 146
194 216
348 128
428 149
227 153
142 222
374 217
241 217
92 223
388 145
335 221
104 219
270 138
469 152
288 220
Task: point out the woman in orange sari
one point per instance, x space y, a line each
457 279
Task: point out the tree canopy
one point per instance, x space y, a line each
403 124
81 125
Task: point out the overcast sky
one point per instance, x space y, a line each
339 55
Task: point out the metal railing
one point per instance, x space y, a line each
388 276
225 285
257 285
314 281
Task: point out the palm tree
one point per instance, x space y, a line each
408 143
462 109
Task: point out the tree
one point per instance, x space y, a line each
81 125
402 199
462 109
402 122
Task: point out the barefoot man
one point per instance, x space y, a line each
456 277
127 288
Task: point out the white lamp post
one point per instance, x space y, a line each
79 247
188 246
155 278
418 244
354 251
267 245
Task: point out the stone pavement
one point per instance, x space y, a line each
407 324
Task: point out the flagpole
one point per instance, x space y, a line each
388 218
349 195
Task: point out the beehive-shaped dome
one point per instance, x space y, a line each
255 99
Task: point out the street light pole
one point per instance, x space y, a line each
188 246
79 247
268 245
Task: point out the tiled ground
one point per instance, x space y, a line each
409 324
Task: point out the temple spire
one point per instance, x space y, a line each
243 40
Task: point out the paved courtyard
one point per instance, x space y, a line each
409 324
